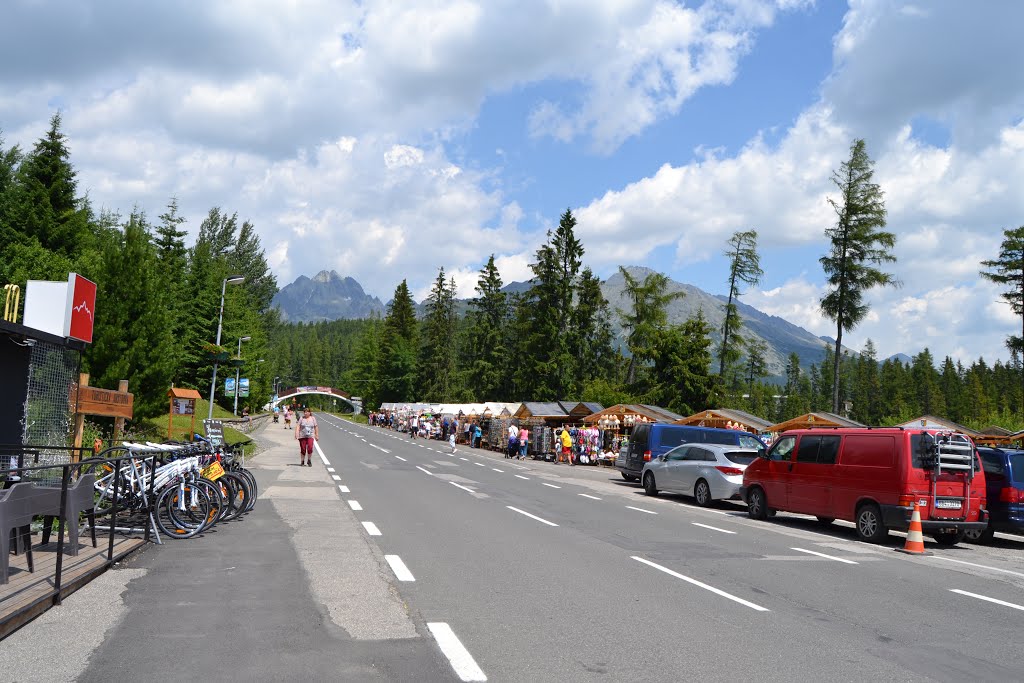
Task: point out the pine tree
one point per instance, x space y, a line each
399 348
438 353
744 268
132 337
679 374
592 319
649 300
485 350
1008 270
858 244
756 364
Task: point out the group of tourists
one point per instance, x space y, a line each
450 429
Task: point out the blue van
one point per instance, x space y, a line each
648 441
1004 482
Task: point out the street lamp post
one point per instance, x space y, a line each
238 369
235 280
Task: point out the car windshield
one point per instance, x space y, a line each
1017 467
741 457
751 442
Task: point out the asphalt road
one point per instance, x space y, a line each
545 572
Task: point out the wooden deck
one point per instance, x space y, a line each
29 594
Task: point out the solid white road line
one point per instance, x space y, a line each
587 495
462 662
497 470
344 489
980 566
354 504
705 586
713 528
988 599
524 512
650 512
398 567
424 471
371 528
316 445
464 488
401 458
827 557
522 477
551 485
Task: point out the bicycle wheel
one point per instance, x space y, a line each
217 503
241 494
182 511
253 489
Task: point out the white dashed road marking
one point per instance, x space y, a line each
705 586
827 557
462 662
988 599
354 504
551 485
587 495
713 528
524 512
650 512
371 528
398 567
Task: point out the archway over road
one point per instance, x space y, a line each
291 392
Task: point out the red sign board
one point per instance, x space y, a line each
82 293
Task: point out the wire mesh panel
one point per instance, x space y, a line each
53 371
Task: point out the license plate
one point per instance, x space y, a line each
948 504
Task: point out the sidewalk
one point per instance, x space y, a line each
294 591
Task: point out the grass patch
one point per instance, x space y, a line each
359 419
180 425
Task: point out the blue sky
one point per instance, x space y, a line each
387 139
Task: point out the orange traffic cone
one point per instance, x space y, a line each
915 539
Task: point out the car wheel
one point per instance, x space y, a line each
949 538
826 520
979 536
702 493
869 524
757 505
650 488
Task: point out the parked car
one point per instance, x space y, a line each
648 441
707 472
1004 485
872 477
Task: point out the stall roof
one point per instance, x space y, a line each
653 413
580 409
541 409
719 417
812 420
932 422
996 430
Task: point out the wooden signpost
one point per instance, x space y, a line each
88 400
183 402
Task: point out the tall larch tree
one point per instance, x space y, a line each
744 269
858 245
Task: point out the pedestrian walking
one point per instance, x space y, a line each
306 431
287 417
524 442
566 440
451 440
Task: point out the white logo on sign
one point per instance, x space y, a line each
83 307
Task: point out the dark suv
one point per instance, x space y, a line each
1004 479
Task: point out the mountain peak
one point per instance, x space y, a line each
326 276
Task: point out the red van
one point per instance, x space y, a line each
872 477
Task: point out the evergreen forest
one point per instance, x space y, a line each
159 303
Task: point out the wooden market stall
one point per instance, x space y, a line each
727 418
579 410
932 422
630 413
814 420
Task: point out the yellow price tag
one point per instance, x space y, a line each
213 471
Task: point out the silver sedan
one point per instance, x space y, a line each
705 471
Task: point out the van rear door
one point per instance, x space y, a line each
943 469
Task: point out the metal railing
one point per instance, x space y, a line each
36 500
